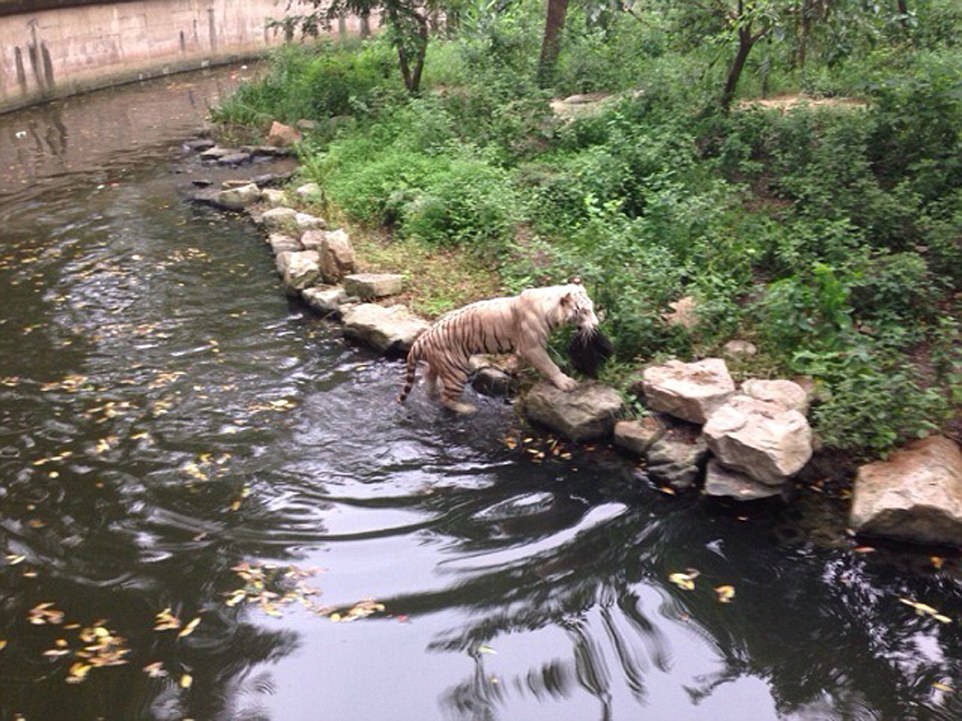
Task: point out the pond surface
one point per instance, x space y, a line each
211 507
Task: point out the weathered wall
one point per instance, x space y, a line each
56 52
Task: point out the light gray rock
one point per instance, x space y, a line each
387 329
637 436
690 391
764 440
326 300
239 197
785 393
309 192
273 198
216 152
306 221
724 482
373 285
281 261
585 413
338 259
303 270
279 219
236 158
915 494
281 242
684 313
737 349
677 460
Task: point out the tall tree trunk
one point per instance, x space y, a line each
412 34
365 22
551 44
745 43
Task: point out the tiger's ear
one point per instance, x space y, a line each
568 299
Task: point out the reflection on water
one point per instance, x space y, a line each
168 419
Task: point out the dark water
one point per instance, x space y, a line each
178 440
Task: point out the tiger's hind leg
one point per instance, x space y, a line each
452 388
432 382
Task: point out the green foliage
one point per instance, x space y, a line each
832 235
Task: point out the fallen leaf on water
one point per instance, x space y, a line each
725 593
3 645
155 670
44 613
864 549
486 649
189 628
943 687
937 561
924 609
186 680
166 621
685 581
13 560
78 672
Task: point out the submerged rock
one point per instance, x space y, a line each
677 459
387 329
238 197
585 413
725 482
489 378
690 391
915 494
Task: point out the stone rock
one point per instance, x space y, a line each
303 269
282 136
279 219
337 257
690 391
489 378
586 413
239 197
683 313
202 182
281 242
387 329
306 221
273 197
326 300
199 145
737 349
637 436
267 151
677 460
724 482
373 285
305 124
282 260
915 494
237 158
764 440
309 192
216 152
785 393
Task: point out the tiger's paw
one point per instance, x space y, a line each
459 407
565 383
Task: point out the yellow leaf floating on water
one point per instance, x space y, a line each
44 613
3 645
485 648
725 593
155 670
924 609
13 560
685 581
78 672
166 621
186 680
189 628
943 687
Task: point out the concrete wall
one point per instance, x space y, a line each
56 52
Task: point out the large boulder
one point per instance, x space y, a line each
281 242
282 136
761 439
337 255
387 329
690 391
915 494
302 270
585 413
279 219
326 300
786 393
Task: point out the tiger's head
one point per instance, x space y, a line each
577 308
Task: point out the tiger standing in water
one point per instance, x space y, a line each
520 323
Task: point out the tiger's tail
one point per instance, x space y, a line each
411 372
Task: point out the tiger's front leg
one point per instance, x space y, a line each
539 358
